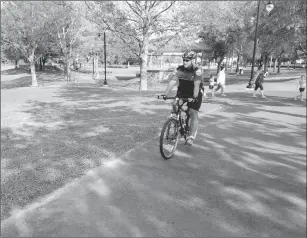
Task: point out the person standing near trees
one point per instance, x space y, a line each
221 81
259 81
301 87
211 85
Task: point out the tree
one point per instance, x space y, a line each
282 31
65 25
223 27
23 29
135 22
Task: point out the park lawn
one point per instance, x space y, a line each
21 77
58 134
61 133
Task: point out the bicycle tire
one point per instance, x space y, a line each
175 138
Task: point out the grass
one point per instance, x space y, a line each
50 141
21 77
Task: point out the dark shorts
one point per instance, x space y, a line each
211 86
258 85
302 90
196 104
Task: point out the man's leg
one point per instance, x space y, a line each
193 126
254 93
223 90
212 92
174 109
255 90
261 91
302 91
218 87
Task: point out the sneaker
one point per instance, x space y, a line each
295 98
190 141
223 95
254 96
263 96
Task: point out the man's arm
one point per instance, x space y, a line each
172 83
196 88
255 76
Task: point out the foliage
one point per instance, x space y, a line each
134 22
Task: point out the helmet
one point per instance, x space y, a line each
189 54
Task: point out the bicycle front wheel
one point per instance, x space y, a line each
169 138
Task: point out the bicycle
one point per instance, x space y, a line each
179 125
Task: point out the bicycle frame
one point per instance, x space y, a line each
184 125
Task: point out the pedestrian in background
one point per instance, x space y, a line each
211 85
221 81
301 87
259 82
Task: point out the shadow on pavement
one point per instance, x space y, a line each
244 176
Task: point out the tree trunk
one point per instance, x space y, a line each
16 64
32 66
271 62
219 65
274 68
67 68
279 65
143 66
41 64
97 66
266 61
227 62
44 62
232 54
238 61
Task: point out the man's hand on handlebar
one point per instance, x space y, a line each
164 97
192 99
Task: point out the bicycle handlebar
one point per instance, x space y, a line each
165 98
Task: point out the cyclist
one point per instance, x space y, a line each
188 78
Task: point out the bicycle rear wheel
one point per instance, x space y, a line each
169 138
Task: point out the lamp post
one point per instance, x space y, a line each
105 83
269 7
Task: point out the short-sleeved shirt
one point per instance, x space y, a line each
186 77
302 83
211 81
260 78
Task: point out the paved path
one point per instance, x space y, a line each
244 176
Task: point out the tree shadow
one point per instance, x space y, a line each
245 98
15 71
62 140
244 176
49 75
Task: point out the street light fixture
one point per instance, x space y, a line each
269 7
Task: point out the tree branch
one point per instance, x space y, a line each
158 14
134 10
305 51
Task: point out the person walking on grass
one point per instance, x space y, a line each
211 85
301 87
221 81
259 81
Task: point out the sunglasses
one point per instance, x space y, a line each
186 60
